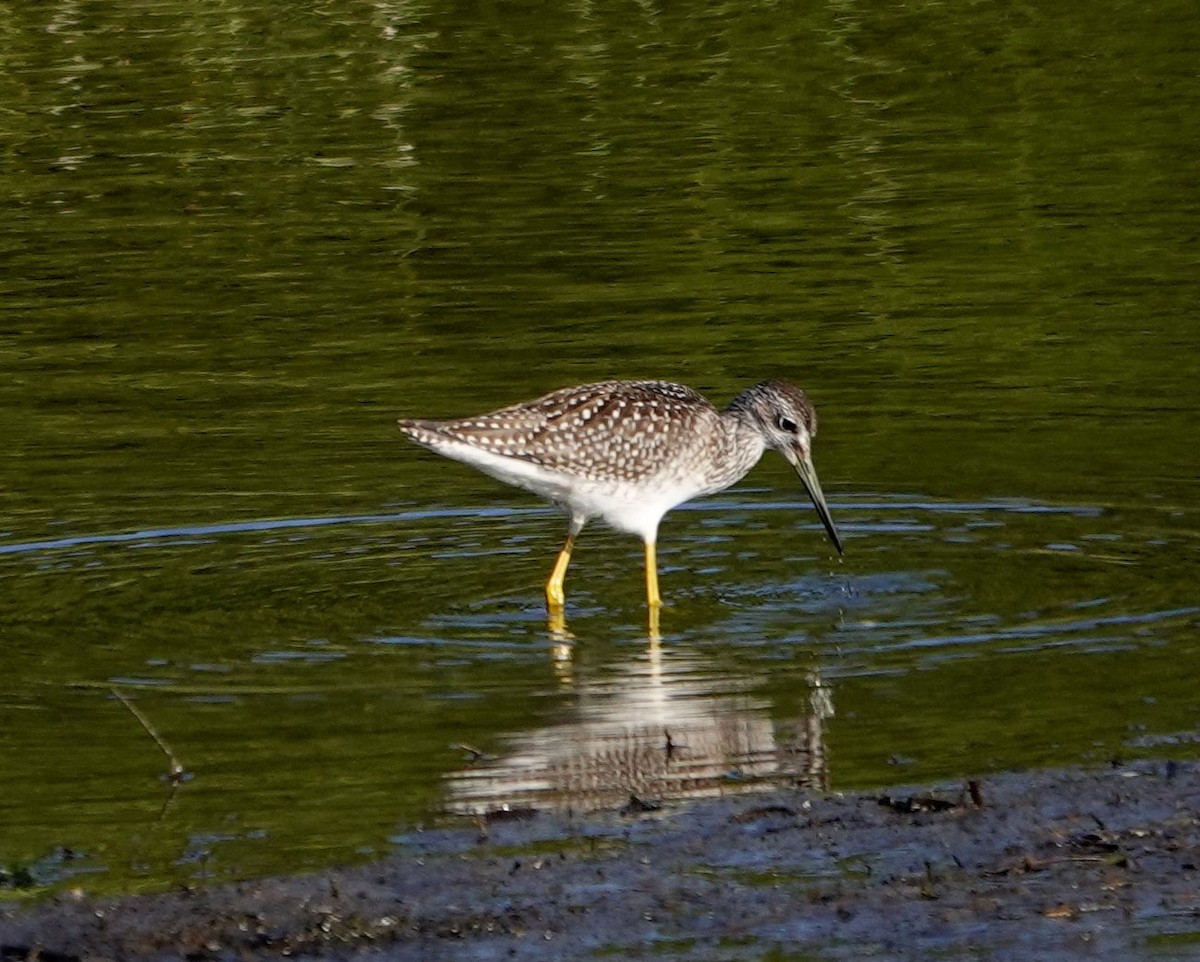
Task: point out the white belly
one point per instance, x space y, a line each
636 509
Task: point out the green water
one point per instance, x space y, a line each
238 241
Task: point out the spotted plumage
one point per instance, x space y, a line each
630 451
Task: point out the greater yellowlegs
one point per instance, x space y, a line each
629 452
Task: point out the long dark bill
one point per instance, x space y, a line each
808 475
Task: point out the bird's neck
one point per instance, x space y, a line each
744 447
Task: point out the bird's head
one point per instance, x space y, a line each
787 421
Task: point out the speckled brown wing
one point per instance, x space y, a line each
610 431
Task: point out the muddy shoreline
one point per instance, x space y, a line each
1066 864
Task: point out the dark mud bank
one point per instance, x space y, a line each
1046 865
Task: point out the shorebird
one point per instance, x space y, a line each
630 451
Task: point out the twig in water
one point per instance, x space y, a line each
177 770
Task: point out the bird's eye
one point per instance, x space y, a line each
786 424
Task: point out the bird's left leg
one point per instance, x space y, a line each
555 596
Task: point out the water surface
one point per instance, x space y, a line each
239 242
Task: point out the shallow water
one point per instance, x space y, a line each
238 246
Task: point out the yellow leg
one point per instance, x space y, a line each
653 601
652 596
555 596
